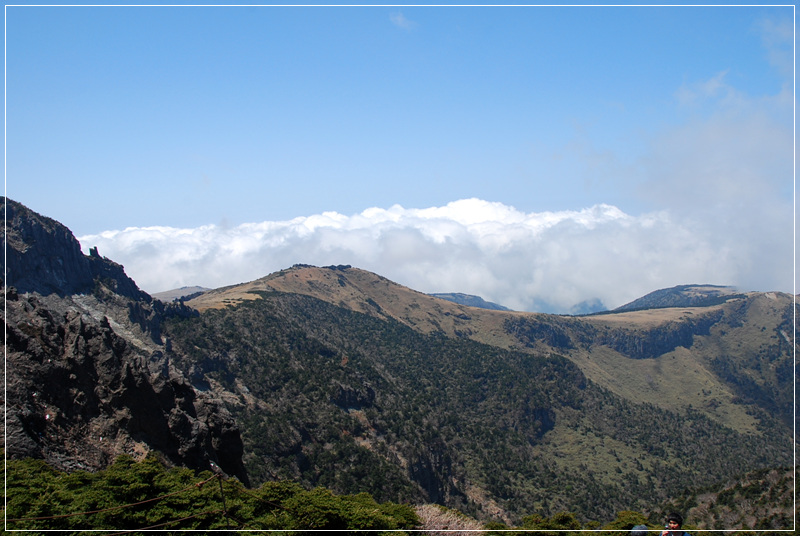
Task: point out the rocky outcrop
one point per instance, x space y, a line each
89 375
79 393
44 256
531 330
656 341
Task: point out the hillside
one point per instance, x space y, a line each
762 500
729 362
733 359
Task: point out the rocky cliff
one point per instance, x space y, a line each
89 375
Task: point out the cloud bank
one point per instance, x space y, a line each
715 187
548 261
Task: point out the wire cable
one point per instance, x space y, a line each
195 485
168 522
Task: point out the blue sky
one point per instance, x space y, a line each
185 118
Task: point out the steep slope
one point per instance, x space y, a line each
43 256
87 376
732 361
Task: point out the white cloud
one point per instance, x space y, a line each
777 37
690 94
400 20
526 261
727 172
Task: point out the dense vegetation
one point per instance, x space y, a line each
146 495
762 499
329 397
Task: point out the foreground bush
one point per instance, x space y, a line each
131 495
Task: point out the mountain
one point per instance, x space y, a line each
185 293
338 398
88 372
683 296
338 377
468 299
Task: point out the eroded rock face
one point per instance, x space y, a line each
41 254
88 374
79 394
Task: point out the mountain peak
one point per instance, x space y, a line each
43 256
469 299
683 296
343 285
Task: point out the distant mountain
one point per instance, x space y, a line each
683 296
587 307
468 299
186 293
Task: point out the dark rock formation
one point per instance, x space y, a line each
530 330
88 374
660 339
44 256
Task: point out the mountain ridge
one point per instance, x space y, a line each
683 296
635 344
